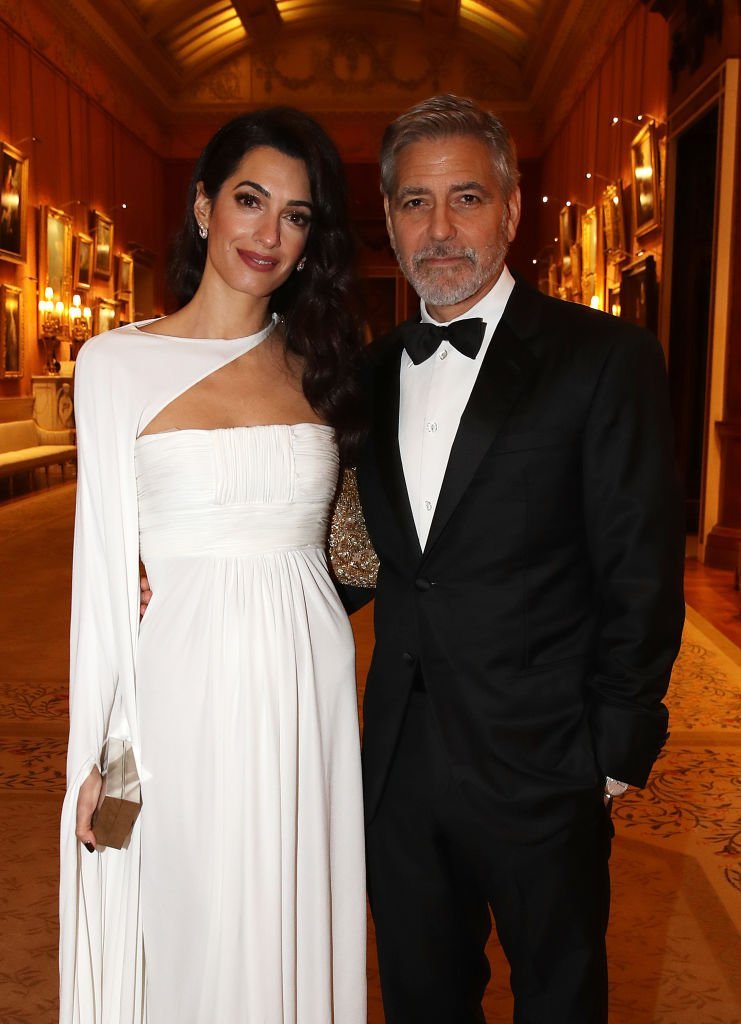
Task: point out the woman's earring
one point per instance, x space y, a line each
202 231
301 264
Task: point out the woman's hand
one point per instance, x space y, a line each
146 595
87 801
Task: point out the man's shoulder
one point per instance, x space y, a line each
572 323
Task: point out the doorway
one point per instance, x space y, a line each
692 272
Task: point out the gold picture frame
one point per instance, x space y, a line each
644 158
592 273
11 331
105 315
83 269
566 237
102 232
13 203
613 220
55 256
124 276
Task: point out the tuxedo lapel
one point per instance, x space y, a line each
386 442
505 374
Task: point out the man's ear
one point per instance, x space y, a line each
202 206
389 225
513 207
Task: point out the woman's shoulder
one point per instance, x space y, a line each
113 350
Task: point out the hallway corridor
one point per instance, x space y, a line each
675 936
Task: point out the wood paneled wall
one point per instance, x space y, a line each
84 159
633 78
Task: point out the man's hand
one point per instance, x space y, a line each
146 595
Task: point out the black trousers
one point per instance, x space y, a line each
434 874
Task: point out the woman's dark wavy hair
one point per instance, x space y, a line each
316 304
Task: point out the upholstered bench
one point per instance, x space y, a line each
26 447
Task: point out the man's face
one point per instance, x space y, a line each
449 224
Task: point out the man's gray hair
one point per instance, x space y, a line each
443 116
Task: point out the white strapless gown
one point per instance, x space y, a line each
253 887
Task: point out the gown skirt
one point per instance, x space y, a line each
252 862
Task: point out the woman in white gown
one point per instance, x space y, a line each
209 444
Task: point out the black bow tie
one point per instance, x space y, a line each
422 339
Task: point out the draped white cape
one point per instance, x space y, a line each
122 380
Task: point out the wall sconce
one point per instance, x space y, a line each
58 323
79 320
593 175
51 327
562 202
638 121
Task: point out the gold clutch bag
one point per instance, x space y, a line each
351 555
120 797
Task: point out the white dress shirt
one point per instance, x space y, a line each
432 397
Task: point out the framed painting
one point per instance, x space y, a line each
591 253
613 219
566 237
105 315
83 272
11 331
102 230
55 254
13 203
644 158
124 276
639 294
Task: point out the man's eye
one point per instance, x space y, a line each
413 204
469 199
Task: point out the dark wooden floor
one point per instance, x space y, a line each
711 593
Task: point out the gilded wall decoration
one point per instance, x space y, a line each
347 62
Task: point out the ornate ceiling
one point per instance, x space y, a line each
188 57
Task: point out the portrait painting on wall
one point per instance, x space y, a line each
102 227
567 237
11 331
105 315
13 203
613 219
644 158
638 294
125 276
55 255
83 275
591 251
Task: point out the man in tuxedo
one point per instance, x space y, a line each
518 485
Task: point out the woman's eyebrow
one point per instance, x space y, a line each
265 192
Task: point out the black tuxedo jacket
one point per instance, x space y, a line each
546 609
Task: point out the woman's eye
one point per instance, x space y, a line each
248 199
301 219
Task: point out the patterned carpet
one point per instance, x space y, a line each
675 935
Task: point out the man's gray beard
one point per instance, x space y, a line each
442 292
432 286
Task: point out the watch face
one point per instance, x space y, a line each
615 788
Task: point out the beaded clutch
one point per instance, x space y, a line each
352 557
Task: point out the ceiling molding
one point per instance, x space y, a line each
260 18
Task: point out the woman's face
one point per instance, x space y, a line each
258 224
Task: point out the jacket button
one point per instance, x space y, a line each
408 658
422 584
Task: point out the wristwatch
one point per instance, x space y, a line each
614 788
